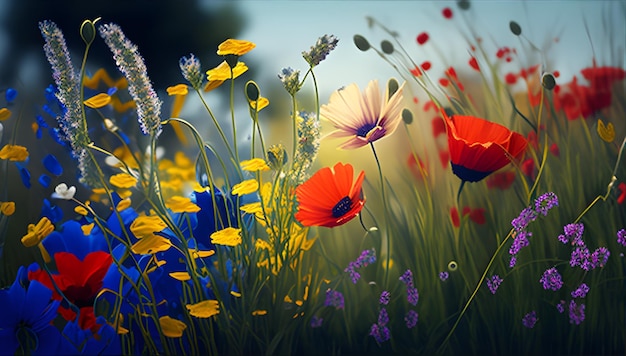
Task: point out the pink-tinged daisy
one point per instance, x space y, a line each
363 118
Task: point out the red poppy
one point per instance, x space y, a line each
79 281
331 197
479 147
501 180
622 195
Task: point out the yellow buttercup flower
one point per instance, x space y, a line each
229 236
148 245
98 101
254 165
4 114
36 233
222 72
123 180
7 208
178 89
607 133
236 47
172 327
14 153
260 104
178 204
145 226
204 309
245 187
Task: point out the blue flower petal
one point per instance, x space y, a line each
52 212
52 165
25 175
111 91
10 95
45 180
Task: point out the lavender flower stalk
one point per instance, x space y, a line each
320 50
131 64
72 124
309 133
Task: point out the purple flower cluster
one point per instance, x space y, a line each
546 202
621 237
529 320
380 333
493 283
412 293
586 260
444 275
576 312
600 257
551 279
411 319
384 297
561 306
407 278
519 241
383 317
316 321
525 217
334 299
366 258
573 234
581 291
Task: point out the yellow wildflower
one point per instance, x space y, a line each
178 89
172 327
259 312
87 228
245 187
236 47
253 208
254 165
181 276
123 204
7 208
148 245
14 153
607 133
178 204
229 236
4 114
204 309
222 72
123 180
80 210
200 253
144 226
36 233
98 101
260 104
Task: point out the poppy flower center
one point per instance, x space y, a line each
365 129
342 207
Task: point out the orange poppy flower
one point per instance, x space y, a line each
479 147
331 197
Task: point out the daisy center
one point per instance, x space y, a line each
365 129
342 207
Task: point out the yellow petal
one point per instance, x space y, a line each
212 85
180 204
181 276
7 208
172 327
4 114
99 100
201 254
123 204
252 208
258 105
36 233
607 133
222 71
254 165
204 309
144 226
229 236
245 187
259 312
236 47
151 244
123 180
178 89
87 229
15 153
81 210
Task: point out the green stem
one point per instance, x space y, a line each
385 219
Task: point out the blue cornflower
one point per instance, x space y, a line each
384 297
334 299
576 312
551 279
411 319
600 257
581 291
621 237
493 283
29 311
545 202
581 257
529 320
